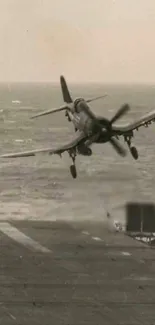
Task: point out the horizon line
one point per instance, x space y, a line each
79 82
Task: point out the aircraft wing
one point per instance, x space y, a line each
71 145
145 120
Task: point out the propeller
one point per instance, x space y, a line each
122 111
116 145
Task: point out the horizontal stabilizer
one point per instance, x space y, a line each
50 111
95 98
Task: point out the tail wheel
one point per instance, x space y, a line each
134 152
73 171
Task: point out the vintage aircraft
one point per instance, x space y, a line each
69 104
72 107
91 129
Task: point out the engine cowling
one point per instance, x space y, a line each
84 150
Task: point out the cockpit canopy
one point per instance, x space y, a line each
76 102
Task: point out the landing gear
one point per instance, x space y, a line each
73 170
133 150
89 152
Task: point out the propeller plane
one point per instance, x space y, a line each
90 129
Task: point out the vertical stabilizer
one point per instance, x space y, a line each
65 92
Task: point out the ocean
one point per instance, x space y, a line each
41 187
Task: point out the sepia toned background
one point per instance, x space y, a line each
101 41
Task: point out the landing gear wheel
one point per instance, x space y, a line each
134 152
73 171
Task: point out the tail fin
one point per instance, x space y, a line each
65 92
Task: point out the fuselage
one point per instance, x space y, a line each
85 121
81 120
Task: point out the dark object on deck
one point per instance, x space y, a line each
140 217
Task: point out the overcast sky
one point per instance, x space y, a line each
86 40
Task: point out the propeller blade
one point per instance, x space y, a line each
118 147
95 98
123 110
62 108
87 110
